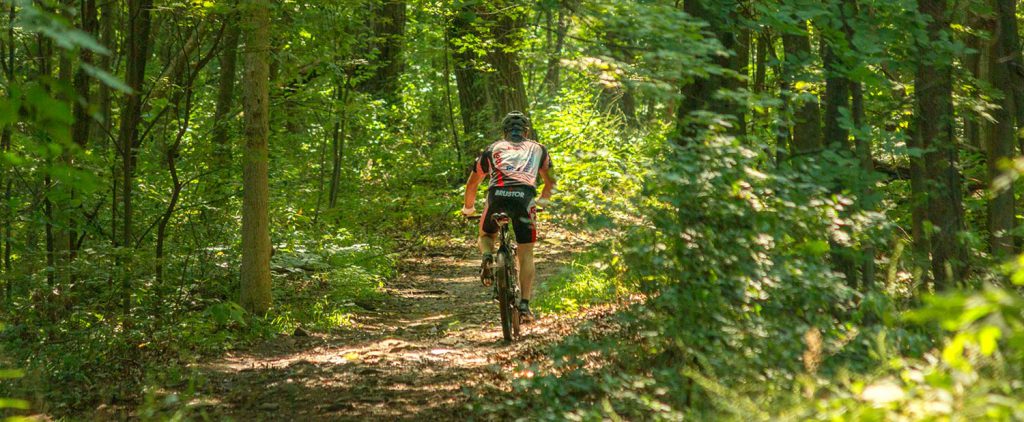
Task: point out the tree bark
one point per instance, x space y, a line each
388 28
226 92
471 83
552 75
255 267
837 98
342 91
761 62
6 136
934 102
807 135
1011 58
699 95
137 46
508 89
1000 136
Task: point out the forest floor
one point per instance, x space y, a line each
421 354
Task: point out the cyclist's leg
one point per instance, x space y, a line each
527 270
524 223
488 228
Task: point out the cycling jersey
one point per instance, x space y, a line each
512 164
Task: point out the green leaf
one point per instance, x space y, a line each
107 79
988 339
11 373
13 404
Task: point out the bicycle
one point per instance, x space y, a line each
506 278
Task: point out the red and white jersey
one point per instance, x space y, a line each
513 163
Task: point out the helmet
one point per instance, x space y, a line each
515 120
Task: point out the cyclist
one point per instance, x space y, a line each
513 163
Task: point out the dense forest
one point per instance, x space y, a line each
766 209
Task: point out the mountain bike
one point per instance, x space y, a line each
506 277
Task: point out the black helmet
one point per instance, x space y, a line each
515 120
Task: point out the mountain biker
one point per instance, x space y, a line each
513 163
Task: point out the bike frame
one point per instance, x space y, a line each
507 276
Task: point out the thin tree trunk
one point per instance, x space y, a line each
863 149
448 99
338 140
973 62
741 62
226 92
107 37
552 75
176 187
137 45
255 268
80 129
761 62
6 135
782 124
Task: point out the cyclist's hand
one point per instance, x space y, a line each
468 211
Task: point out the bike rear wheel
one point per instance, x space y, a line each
505 305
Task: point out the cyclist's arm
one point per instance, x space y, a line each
549 183
471 187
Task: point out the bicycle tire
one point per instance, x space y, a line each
513 280
504 303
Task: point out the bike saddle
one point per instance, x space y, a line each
501 218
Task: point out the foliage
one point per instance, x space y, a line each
588 280
770 281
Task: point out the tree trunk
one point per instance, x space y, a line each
137 46
338 139
807 136
837 98
255 268
973 62
509 91
226 92
107 37
863 150
456 144
80 129
6 136
471 83
388 28
782 131
761 62
699 95
934 102
1012 59
552 75
1000 136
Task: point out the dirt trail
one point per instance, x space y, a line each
419 356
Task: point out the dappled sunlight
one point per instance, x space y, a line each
434 335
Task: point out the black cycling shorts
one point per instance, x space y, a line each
517 202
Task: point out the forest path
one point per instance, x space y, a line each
411 359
